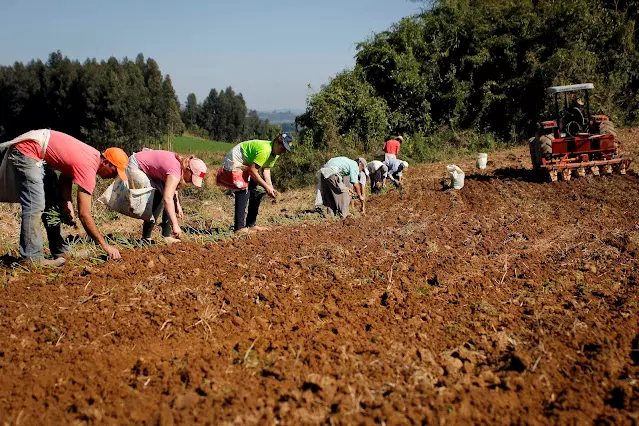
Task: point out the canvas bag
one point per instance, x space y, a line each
136 202
9 185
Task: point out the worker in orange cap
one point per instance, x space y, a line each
27 176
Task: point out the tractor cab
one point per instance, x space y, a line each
574 118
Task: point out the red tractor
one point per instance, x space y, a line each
575 142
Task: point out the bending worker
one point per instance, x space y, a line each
335 180
25 179
395 168
378 173
166 172
241 174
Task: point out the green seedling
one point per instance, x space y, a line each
422 291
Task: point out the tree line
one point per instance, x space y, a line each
480 65
224 116
108 103
124 103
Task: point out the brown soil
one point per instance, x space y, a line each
506 302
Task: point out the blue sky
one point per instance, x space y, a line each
268 50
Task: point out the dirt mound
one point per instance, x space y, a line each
506 302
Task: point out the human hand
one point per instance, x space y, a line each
177 233
68 210
113 252
179 212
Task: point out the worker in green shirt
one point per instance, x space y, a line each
241 173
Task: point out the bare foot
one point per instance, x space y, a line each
260 228
243 231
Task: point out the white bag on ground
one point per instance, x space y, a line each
482 160
456 176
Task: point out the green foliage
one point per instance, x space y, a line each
125 103
481 65
345 109
189 144
191 111
297 168
445 143
224 116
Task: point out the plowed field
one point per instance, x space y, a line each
507 302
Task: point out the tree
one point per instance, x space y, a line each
481 65
157 108
209 116
108 103
172 119
191 112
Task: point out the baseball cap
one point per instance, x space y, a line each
119 159
287 140
198 168
400 138
405 164
363 162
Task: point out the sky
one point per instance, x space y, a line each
270 51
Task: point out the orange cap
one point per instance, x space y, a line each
119 159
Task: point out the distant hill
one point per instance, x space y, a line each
279 116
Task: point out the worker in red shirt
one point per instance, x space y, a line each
36 186
391 148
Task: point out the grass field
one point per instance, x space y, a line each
191 144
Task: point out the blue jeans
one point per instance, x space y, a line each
39 191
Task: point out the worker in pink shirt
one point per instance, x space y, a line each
27 175
166 172
391 148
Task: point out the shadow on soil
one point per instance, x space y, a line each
9 260
208 231
508 173
301 214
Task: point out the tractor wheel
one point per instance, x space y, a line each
531 146
534 159
540 147
607 128
545 146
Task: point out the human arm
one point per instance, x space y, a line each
170 188
84 211
359 191
66 186
255 175
384 174
266 171
178 207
